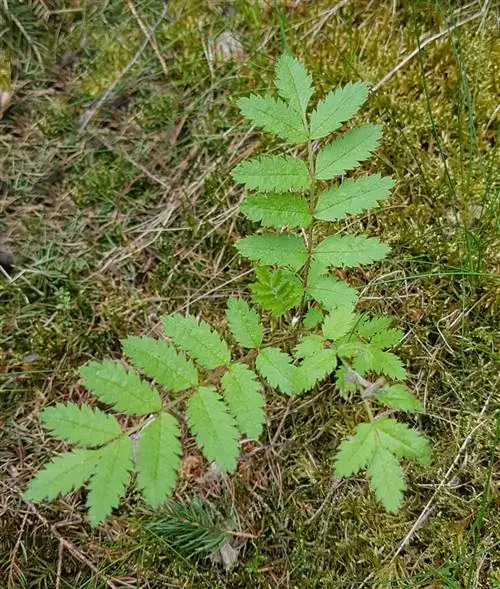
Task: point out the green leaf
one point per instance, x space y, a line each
388 363
274 116
277 368
352 196
161 361
244 323
398 396
367 327
213 428
315 368
277 210
337 107
158 459
110 480
312 318
244 399
331 292
197 339
355 452
269 248
276 290
339 323
64 473
386 478
293 82
401 440
81 425
344 381
349 250
364 357
387 338
121 388
272 173
347 151
309 345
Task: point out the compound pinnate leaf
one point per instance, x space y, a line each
355 452
309 345
277 210
342 251
244 399
331 292
274 116
197 339
293 82
352 196
110 480
158 459
397 396
277 291
272 173
386 478
337 107
64 473
347 151
81 425
161 361
244 323
121 388
315 368
339 323
269 248
277 368
213 427
402 440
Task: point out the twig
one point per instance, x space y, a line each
421 45
91 112
151 39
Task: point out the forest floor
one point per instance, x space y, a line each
117 203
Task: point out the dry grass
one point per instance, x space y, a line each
135 216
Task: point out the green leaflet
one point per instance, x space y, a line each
274 116
121 388
314 368
342 251
110 480
64 473
293 82
158 459
352 196
244 323
244 399
331 292
197 339
312 318
367 327
213 427
269 248
389 364
81 425
277 210
277 368
339 323
386 478
272 173
277 291
337 107
387 338
397 396
347 151
161 361
377 446
344 381
309 345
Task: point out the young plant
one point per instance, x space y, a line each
190 380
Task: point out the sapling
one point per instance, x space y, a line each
190 379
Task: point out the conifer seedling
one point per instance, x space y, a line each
292 198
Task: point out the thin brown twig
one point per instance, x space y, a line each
152 41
